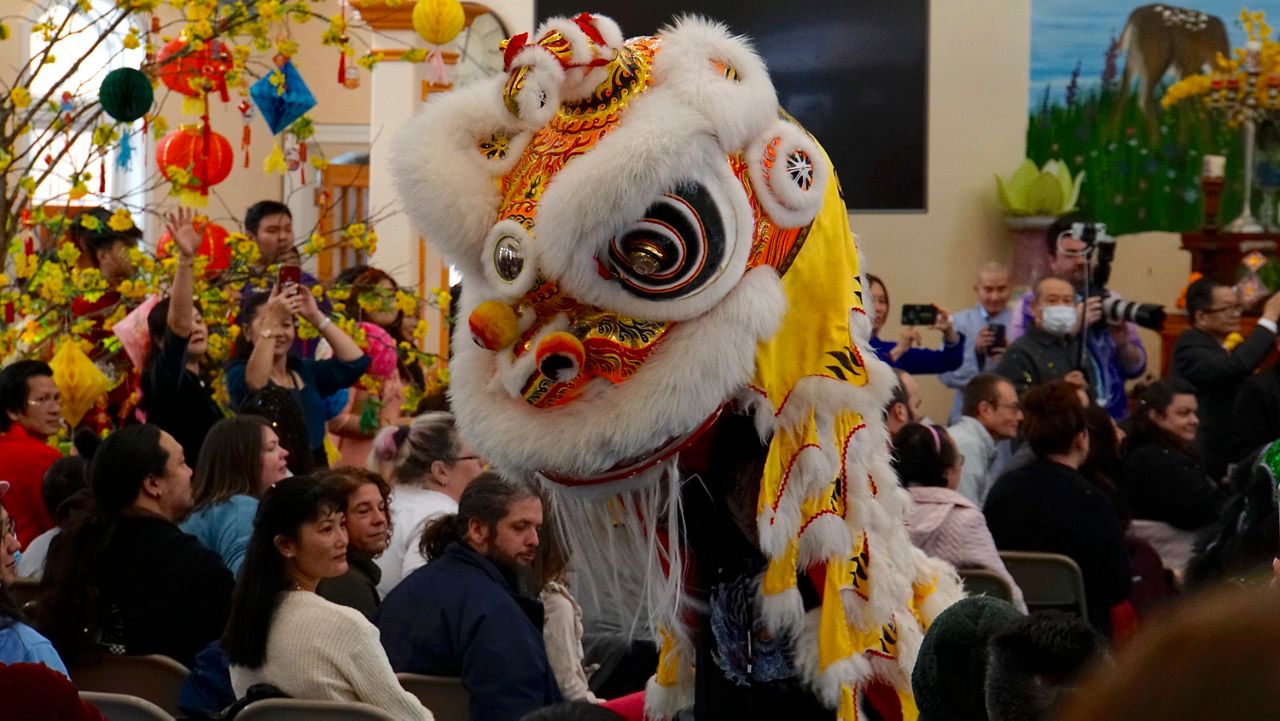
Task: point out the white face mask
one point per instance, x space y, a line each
1058 319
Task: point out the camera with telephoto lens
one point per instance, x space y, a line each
1115 309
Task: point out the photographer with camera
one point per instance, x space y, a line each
985 328
1111 347
907 354
1218 374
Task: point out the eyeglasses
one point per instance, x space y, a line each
466 458
1234 308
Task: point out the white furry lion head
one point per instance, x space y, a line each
621 212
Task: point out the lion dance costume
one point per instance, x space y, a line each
653 253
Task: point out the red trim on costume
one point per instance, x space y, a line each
671 449
820 514
786 477
844 461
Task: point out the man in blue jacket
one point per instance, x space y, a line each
466 614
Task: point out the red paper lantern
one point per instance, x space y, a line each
194 72
213 244
206 154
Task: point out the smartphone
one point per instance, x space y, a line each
290 274
917 314
1001 339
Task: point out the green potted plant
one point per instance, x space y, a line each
1032 198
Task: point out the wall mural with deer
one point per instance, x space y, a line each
1098 71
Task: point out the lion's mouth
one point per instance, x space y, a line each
637 464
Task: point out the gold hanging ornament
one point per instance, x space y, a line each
438 22
79 381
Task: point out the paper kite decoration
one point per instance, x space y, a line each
280 109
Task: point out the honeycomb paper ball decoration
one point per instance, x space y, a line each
126 94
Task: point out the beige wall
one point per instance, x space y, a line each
979 62
979 58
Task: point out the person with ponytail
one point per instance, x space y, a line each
282 633
470 611
123 577
942 522
429 467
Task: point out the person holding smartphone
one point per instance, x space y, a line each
985 329
264 359
908 354
269 224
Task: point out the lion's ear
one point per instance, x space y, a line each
789 173
720 76
454 152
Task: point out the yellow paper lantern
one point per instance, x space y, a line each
438 21
79 381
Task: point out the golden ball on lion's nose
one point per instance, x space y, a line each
494 325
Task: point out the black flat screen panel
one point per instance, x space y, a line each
854 72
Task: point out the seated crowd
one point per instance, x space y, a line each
267 572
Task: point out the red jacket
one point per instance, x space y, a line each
23 462
34 692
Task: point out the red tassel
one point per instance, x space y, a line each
102 174
302 163
244 144
342 68
202 166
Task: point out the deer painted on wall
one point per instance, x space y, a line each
1158 38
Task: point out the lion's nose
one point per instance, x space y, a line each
560 356
494 325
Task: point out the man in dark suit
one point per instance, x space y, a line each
1217 374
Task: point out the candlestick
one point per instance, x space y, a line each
1213 166
1246 223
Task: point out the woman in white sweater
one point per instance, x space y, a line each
280 632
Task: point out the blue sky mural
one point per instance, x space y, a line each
1064 32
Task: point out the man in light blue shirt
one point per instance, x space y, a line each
983 346
992 415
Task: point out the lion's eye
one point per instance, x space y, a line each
508 258
675 249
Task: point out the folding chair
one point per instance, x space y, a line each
119 707
155 678
445 696
984 582
296 709
1047 580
